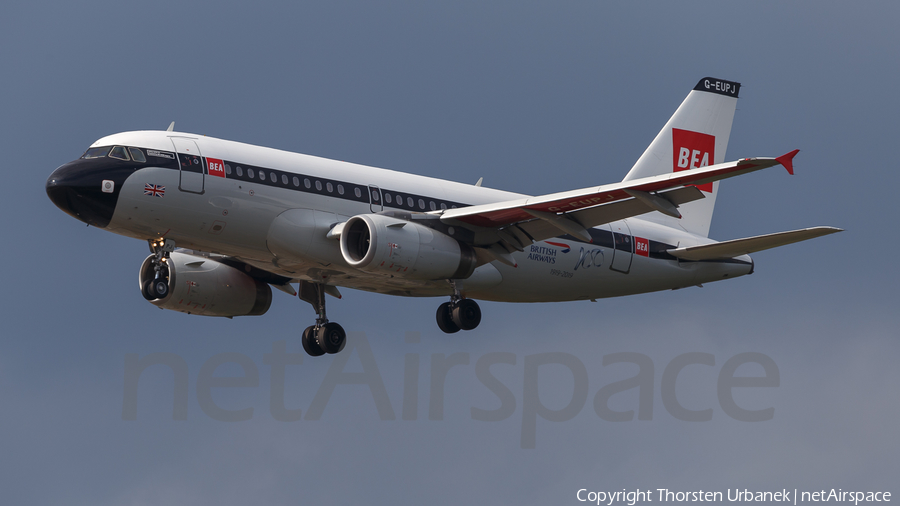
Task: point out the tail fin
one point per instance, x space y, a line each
695 136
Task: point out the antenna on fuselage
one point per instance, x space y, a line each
171 127
480 180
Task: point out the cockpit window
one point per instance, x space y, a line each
119 152
137 155
96 152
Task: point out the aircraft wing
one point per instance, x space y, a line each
738 247
572 212
576 222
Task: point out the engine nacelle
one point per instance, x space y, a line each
199 285
393 247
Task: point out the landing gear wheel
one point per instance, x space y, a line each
161 288
445 319
466 314
310 346
155 271
147 291
331 338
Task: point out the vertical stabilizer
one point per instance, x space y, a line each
695 136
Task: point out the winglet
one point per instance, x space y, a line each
787 160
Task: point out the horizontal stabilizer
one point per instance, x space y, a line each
738 247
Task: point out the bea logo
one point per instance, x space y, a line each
216 167
691 150
642 246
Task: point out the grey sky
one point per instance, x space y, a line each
535 97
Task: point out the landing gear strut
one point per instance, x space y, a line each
323 337
158 286
458 314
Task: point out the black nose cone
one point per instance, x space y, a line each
60 193
82 191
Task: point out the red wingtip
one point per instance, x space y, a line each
787 160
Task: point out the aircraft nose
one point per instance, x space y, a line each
59 190
80 191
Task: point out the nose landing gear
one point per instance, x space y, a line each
158 286
323 337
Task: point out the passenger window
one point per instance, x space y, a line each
329 187
96 152
307 184
443 206
272 177
284 179
409 201
119 152
357 192
431 204
262 175
250 173
421 204
319 185
240 171
227 169
296 181
341 189
387 198
137 155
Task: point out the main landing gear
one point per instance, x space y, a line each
158 286
323 337
458 314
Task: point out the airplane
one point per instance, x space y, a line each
225 221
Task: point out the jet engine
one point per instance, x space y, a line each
384 245
198 285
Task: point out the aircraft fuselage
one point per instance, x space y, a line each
273 210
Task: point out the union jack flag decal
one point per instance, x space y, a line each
154 190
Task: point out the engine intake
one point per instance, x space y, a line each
393 247
199 285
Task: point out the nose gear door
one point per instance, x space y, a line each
192 166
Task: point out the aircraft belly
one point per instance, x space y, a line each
583 275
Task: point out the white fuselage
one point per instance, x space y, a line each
233 215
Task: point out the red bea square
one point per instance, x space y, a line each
215 167
642 246
691 150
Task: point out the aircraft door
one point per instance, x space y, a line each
623 248
191 165
376 202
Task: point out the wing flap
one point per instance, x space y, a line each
738 247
